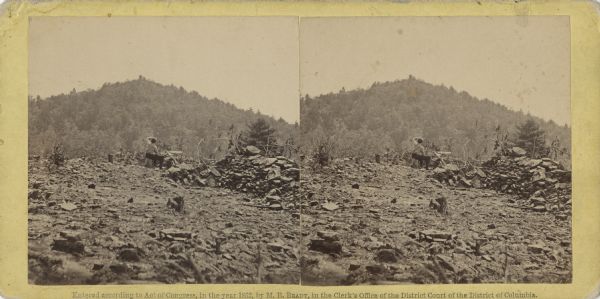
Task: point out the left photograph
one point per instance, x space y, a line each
163 150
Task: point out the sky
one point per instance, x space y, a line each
251 62
520 62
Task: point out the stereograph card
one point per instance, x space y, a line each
279 150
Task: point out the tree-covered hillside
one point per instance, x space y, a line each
387 115
121 115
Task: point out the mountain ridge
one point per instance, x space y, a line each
386 115
121 114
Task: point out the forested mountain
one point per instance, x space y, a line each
121 115
387 115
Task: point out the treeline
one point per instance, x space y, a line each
386 116
119 116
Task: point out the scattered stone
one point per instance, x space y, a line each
273 198
386 256
439 170
325 246
252 150
69 246
276 207
175 234
129 255
276 246
565 243
407 277
67 206
539 208
375 269
465 182
97 266
353 266
446 262
328 235
355 186
330 206
33 194
273 173
214 172
435 235
537 248
562 217
176 204
35 208
531 266
115 242
480 172
70 235
269 161
518 151
176 248
118 268
439 204
451 167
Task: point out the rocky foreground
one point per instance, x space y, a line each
369 223
253 219
103 223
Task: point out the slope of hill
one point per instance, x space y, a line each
373 223
387 115
122 114
122 230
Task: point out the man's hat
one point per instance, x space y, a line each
151 139
417 140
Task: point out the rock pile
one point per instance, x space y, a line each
200 176
544 183
257 174
250 173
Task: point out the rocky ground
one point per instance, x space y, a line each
369 223
103 223
244 220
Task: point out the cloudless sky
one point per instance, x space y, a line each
251 62
521 62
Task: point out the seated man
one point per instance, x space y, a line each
420 153
153 154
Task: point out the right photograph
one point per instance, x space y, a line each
435 150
